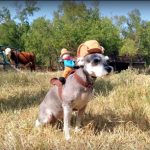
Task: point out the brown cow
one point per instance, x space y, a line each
24 58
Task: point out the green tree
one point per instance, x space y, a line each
135 34
12 33
4 15
130 26
128 48
76 23
9 34
23 29
105 33
26 9
145 38
38 40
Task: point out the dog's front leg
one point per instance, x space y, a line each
78 120
67 117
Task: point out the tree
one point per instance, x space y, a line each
38 40
73 24
23 29
128 48
9 34
145 38
4 15
105 33
13 33
23 11
76 23
130 26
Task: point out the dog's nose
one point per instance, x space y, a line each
108 68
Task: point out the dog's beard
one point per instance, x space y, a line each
96 71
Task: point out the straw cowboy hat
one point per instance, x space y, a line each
64 51
88 47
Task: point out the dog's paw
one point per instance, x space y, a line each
68 138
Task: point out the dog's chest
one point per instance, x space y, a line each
81 100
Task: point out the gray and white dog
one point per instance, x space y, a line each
76 93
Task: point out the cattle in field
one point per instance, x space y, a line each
27 59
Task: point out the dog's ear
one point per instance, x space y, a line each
106 58
80 61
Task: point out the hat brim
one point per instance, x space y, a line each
95 50
65 53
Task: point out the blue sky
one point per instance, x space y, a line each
107 8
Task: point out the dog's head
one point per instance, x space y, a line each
96 65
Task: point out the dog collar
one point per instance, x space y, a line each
82 82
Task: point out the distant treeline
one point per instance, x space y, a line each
72 24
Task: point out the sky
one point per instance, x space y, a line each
107 8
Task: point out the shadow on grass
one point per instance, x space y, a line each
139 118
25 100
106 122
109 120
101 122
96 122
21 101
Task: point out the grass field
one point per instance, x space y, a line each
118 117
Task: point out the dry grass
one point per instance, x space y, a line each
117 118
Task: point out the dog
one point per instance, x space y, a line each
75 95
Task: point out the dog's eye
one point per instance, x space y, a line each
96 60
